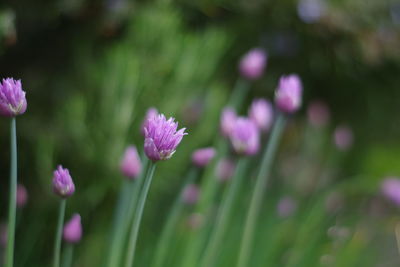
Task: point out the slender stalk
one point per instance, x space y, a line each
168 230
239 93
68 255
119 215
224 213
259 190
138 216
132 189
12 208
57 242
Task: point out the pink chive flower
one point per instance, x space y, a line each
245 137
228 119
201 157
150 113
253 63
343 137
288 94
190 194
318 113
73 230
22 196
161 137
12 98
130 164
261 113
62 182
225 169
391 189
286 207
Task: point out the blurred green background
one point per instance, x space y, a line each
92 68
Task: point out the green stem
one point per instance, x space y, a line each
68 255
119 216
122 227
60 224
239 93
167 232
259 190
138 216
12 208
224 213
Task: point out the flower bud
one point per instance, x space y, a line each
201 157
12 98
228 119
261 113
73 229
130 164
253 63
245 137
62 182
288 94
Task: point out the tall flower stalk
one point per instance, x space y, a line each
131 167
138 216
72 235
167 233
161 140
12 103
287 100
12 208
224 213
64 187
259 190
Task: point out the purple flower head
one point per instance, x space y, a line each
12 98
228 119
73 229
391 189
286 207
225 169
150 113
201 157
245 137
161 137
318 113
22 196
261 113
253 63
130 164
62 182
343 137
288 93
190 194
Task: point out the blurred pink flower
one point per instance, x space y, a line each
22 196
288 95
227 121
73 229
343 137
131 165
261 113
225 169
253 63
286 207
391 189
318 113
190 194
